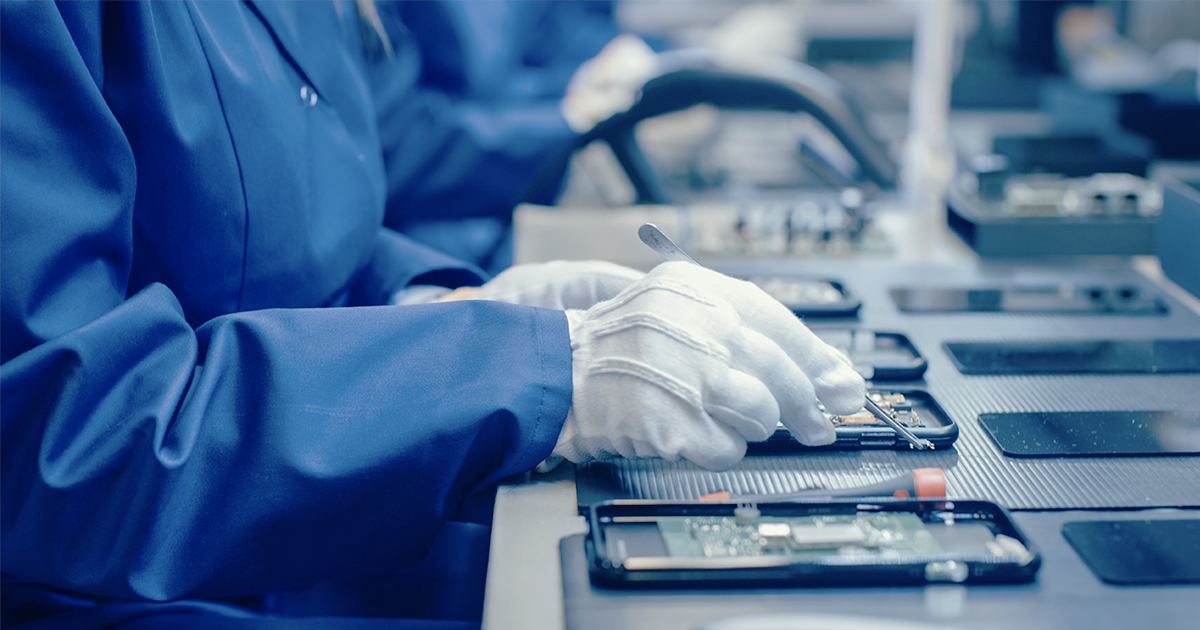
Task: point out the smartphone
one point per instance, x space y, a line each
914 408
881 356
810 297
846 542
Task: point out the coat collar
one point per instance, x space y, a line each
282 19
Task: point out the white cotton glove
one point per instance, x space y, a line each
690 363
609 82
559 284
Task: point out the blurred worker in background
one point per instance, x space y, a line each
482 87
210 414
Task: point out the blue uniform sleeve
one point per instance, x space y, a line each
143 457
397 262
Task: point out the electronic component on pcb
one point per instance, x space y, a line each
902 410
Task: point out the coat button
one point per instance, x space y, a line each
308 95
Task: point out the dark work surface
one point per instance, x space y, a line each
1065 595
975 467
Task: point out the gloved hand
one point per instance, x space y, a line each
608 83
559 284
690 363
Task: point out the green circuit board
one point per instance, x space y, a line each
872 534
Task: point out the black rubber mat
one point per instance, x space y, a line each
975 467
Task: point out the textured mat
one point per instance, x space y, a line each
975 467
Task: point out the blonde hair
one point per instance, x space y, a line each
368 12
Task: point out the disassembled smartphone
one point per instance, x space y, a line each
847 542
913 408
881 356
810 297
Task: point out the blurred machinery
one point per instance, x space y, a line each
1052 215
786 159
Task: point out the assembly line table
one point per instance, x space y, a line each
537 577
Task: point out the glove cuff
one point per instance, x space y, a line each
566 447
559 284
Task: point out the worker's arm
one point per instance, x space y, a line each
145 458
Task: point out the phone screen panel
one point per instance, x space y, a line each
1065 298
1154 356
1161 551
1094 433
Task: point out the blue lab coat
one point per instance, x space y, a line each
201 396
485 80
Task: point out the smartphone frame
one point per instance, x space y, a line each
913 371
847 307
860 437
606 570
